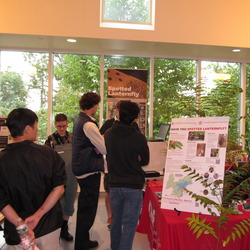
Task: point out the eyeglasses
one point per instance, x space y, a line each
62 126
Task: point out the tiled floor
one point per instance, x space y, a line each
99 232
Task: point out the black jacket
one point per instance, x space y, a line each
127 151
109 123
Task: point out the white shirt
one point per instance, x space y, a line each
92 132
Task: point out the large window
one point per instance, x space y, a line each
73 76
220 94
132 14
174 91
24 83
247 128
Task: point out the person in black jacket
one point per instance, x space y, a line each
32 179
107 125
127 152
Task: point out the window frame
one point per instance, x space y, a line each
106 23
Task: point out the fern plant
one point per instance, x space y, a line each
236 188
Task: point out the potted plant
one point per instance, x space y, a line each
236 188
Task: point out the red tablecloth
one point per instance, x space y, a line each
168 231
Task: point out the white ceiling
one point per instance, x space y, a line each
121 47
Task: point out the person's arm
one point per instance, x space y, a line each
103 128
91 131
49 142
108 124
144 153
11 215
50 201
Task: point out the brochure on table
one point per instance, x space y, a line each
200 143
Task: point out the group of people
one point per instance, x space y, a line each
38 183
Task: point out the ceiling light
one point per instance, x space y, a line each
71 40
236 50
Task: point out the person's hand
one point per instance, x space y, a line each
32 221
29 236
31 232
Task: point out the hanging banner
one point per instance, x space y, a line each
128 84
199 143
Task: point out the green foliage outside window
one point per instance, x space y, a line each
127 10
223 99
176 92
13 92
247 135
39 82
74 75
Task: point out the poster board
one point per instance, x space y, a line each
128 84
202 144
5 136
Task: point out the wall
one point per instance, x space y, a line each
213 22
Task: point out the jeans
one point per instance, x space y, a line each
126 207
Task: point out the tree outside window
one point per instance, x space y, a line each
128 13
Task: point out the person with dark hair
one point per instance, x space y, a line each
127 152
61 142
32 179
108 124
87 164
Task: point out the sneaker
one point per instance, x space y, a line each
93 243
109 223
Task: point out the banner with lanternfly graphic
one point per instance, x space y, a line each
128 84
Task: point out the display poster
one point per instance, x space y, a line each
200 143
128 84
5 136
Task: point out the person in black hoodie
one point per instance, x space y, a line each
127 152
108 124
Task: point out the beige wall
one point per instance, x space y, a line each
212 22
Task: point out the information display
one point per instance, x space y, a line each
128 84
199 143
5 136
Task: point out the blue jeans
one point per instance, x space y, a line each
126 207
